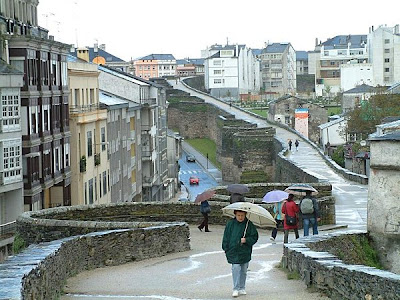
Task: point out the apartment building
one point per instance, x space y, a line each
11 184
89 160
44 105
278 69
301 62
384 54
150 128
155 65
337 51
231 71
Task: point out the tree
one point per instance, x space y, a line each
363 119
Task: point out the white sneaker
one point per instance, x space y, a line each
235 293
272 239
242 292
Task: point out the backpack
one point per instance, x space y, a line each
307 206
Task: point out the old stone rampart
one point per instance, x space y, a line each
327 273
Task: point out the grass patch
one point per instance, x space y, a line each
334 110
293 275
206 146
253 177
260 112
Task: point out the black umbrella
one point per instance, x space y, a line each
237 188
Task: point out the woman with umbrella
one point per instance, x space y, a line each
290 209
205 208
239 237
276 197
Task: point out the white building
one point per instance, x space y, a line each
333 53
231 71
333 133
354 74
384 54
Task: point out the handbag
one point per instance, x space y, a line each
291 221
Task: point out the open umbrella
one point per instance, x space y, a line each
204 196
237 188
255 213
301 189
275 196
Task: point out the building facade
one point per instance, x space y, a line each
89 160
301 62
341 49
231 71
278 68
44 105
155 65
11 184
384 54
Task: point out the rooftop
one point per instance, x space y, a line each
157 57
275 48
342 41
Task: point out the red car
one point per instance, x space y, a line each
194 180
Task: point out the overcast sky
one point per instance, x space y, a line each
135 28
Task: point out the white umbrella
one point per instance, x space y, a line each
255 213
301 189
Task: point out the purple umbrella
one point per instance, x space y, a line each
275 196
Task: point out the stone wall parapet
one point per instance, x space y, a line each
332 276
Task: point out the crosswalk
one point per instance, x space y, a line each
191 172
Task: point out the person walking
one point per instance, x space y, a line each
296 143
236 197
309 213
290 144
278 218
205 209
239 237
290 209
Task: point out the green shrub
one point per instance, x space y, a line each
19 244
253 176
338 156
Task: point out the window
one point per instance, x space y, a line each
217 72
104 182
91 191
103 138
386 79
387 50
11 157
326 53
57 159
387 41
10 104
89 144
85 193
386 69
217 81
216 62
66 151
91 96
387 60
95 189
100 186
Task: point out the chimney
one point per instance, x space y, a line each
51 37
372 28
83 53
96 47
72 48
316 41
102 47
396 29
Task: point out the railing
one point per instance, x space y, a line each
7 229
76 109
149 101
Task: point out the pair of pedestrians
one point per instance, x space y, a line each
287 214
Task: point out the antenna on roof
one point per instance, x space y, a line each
227 41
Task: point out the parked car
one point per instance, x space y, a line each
194 180
190 158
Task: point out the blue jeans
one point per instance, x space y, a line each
306 226
239 273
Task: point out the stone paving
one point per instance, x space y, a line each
201 273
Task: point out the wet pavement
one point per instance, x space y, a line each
201 273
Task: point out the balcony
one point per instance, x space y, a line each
149 101
97 159
79 109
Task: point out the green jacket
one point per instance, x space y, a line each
237 253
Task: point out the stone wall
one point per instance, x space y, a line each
336 279
53 263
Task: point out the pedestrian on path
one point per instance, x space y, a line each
296 143
290 144
239 237
205 209
278 218
236 197
290 209
309 213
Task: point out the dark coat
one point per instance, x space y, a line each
290 208
237 253
236 198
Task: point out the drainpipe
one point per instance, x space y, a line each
7 54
